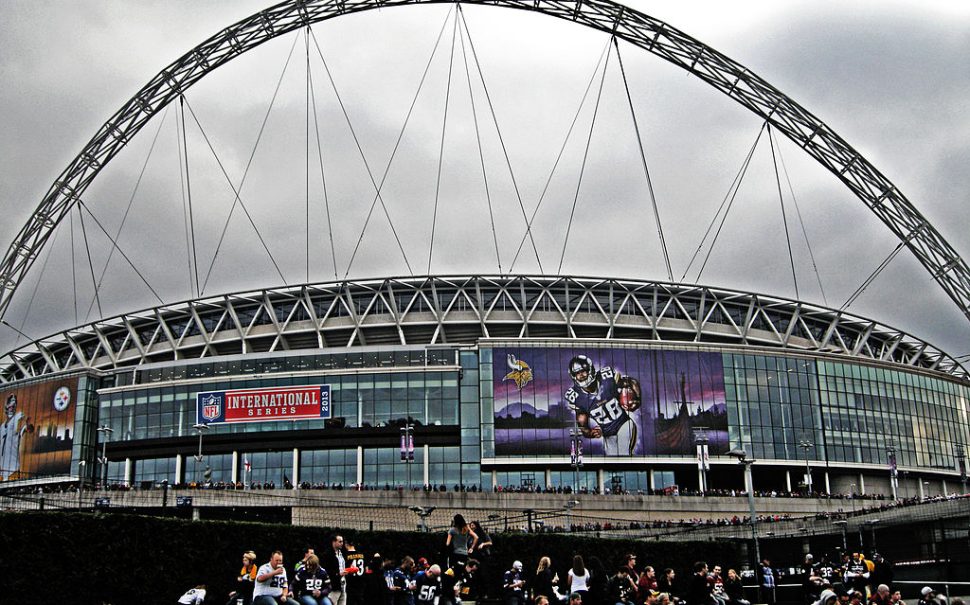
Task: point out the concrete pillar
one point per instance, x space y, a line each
235 466
919 488
179 468
426 467
494 479
296 467
828 486
129 471
651 483
946 492
548 478
600 481
862 484
788 481
360 465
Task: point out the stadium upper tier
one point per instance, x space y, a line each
462 309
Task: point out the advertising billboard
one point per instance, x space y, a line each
264 404
622 402
37 433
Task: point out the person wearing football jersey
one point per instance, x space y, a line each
427 586
272 587
606 398
194 596
311 585
400 582
355 574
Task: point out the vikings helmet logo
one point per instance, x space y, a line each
521 373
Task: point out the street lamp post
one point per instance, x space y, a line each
407 448
746 462
575 454
703 463
106 431
962 466
806 445
569 505
201 428
423 512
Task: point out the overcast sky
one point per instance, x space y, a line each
890 77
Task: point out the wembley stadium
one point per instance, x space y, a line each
489 382
478 367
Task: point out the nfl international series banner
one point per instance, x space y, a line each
261 405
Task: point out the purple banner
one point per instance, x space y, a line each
625 402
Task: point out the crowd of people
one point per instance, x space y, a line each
465 572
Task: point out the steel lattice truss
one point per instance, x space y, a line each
657 37
463 310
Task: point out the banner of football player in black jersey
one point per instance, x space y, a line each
625 402
37 430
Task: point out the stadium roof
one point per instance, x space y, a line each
463 309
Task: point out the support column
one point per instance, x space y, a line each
494 479
862 484
788 481
179 468
919 487
548 479
129 471
651 484
426 470
235 466
946 492
828 486
360 465
296 467
600 481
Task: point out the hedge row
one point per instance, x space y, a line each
120 559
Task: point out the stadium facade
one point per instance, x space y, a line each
475 377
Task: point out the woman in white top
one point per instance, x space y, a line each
579 577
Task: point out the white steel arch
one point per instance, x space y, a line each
879 195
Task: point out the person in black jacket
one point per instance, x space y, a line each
334 561
698 588
621 588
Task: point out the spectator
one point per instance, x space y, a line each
897 599
857 573
811 581
427 586
513 583
882 571
767 582
311 585
245 581
647 584
882 596
469 583
194 596
698 588
621 590
271 585
598 582
666 583
735 590
334 561
575 599
461 541
578 578
355 574
306 555
717 585
546 581
827 597
401 584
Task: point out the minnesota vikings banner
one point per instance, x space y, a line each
624 402
260 405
